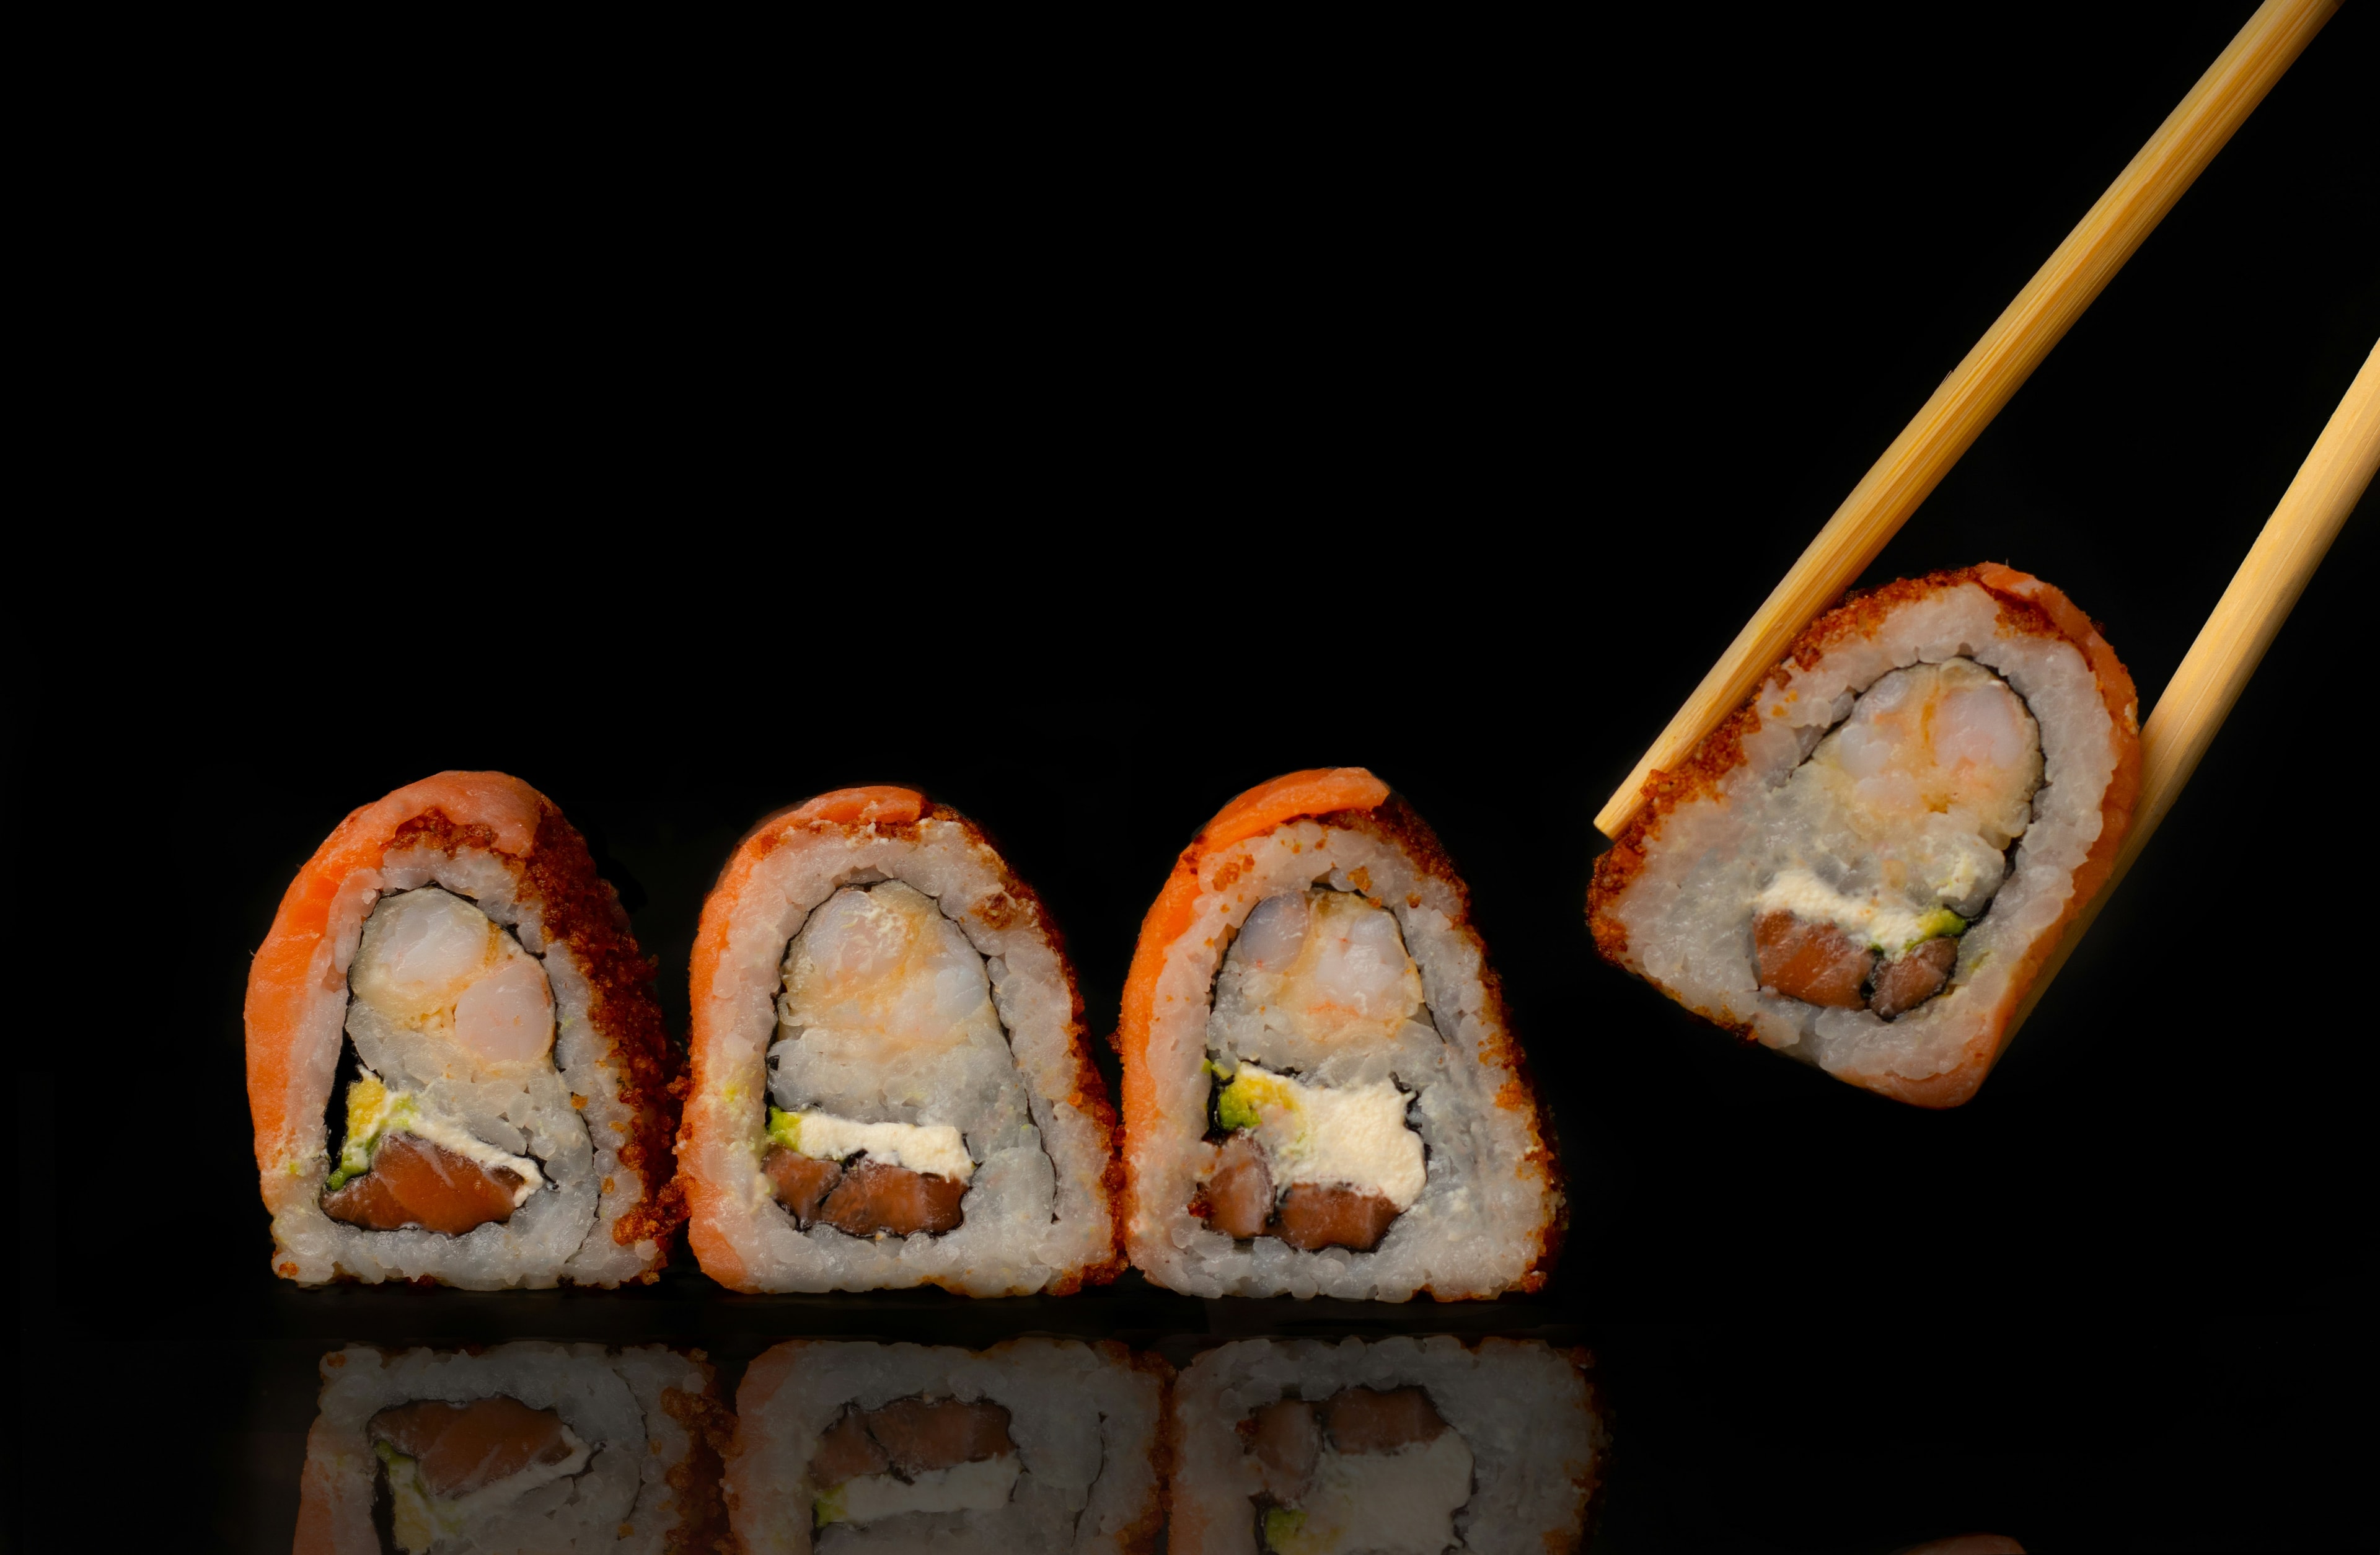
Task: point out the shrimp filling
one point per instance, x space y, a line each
1362 1470
913 1455
450 1467
441 986
892 1075
1895 839
1319 1017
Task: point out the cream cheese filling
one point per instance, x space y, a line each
1355 1135
936 1150
982 1486
1890 927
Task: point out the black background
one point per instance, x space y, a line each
1085 454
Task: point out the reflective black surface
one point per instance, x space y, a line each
1452 433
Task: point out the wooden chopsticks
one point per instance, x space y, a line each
1972 394
2231 645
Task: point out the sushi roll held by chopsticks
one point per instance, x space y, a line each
455 1068
1868 863
1321 1096
889 1081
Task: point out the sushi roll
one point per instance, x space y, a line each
1033 1446
452 994
1401 1447
890 1082
526 1446
1321 1094
1868 863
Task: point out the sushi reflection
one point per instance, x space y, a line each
1294 1447
524 1446
1401 1445
1032 1445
